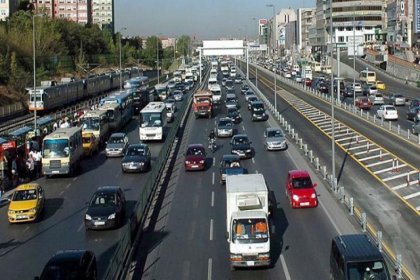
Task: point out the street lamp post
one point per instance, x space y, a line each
157 55
354 56
274 43
119 33
332 102
34 78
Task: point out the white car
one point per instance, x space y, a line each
387 112
376 98
177 95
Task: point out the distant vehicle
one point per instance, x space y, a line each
180 87
116 145
234 115
363 103
387 112
26 203
355 256
380 85
230 165
308 82
230 84
195 157
212 82
300 190
70 265
274 139
177 95
238 79
231 101
415 128
323 87
224 81
413 113
137 158
241 146
153 122
203 104
366 76
171 85
395 99
224 127
258 112
414 103
90 143
251 99
248 94
376 98
244 88
162 91
106 209
316 66
216 90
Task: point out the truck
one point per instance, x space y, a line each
247 225
203 104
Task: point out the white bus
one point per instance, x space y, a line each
62 151
96 122
152 121
367 76
316 66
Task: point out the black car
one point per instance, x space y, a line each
250 100
414 103
70 265
258 112
230 91
181 87
136 159
241 146
323 87
230 165
106 208
413 113
233 114
244 88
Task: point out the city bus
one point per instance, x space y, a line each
113 113
138 83
124 99
62 151
152 121
367 76
96 122
316 66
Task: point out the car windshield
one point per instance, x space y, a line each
225 123
116 140
258 107
398 96
302 183
86 140
90 123
231 163
241 140
249 230
103 199
274 133
195 151
64 271
367 270
24 195
135 151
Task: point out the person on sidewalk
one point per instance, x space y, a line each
30 165
37 156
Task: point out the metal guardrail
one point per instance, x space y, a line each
354 211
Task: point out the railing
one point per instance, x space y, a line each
12 109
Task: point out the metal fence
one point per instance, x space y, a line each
12 109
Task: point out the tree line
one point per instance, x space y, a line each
67 48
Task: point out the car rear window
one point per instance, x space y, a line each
302 183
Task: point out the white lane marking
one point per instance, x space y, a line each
75 178
26 229
68 186
209 269
212 199
243 127
411 195
211 229
283 264
212 178
61 193
214 161
81 226
253 160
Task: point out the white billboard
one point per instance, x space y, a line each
356 41
223 47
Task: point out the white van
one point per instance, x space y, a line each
212 82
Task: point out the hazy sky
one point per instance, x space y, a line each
204 19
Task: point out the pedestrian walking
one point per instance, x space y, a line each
37 156
30 165
55 126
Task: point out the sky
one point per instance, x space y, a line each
202 19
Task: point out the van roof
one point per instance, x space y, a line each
357 247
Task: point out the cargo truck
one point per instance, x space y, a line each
203 103
247 212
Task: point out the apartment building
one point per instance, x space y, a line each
7 7
103 14
305 20
74 10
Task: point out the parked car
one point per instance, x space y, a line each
413 113
116 145
195 157
241 146
106 208
300 190
136 159
376 98
224 127
394 99
70 265
387 112
234 115
230 165
363 103
274 139
26 203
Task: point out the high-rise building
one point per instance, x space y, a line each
103 14
284 17
400 15
74 10
262 31
305 20
7 7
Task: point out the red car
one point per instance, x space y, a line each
195 157
300 190
308 82
363 103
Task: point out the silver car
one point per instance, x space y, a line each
224 127
116 145
274 139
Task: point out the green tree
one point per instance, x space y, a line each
183 45
149 54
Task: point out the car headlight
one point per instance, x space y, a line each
313 195
107 149
248 150
264 256
112 216
187 162
140 163
235 257
202 161
125 164
295 197
33 210
88 217
254 115
11 212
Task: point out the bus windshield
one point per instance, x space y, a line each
90 123
55 148
151 120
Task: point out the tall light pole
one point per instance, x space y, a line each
157 55
332 101
34 60
120 35
274 43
